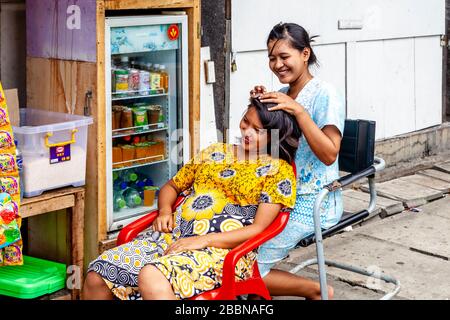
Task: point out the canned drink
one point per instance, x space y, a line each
144 82
133 80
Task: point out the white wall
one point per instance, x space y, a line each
389 71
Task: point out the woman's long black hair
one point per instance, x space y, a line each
289 132
296 35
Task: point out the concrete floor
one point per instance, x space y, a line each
412 245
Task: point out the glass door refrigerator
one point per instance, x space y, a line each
146 111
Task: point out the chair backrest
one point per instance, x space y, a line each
357 145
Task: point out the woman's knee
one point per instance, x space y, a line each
151 278
149 275
94 280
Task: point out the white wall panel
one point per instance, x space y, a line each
381 84
382 19
398 85
363 82
252 69
428 77
332 65
390 70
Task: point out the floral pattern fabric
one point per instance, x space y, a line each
222 194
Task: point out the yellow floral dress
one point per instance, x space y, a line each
222 194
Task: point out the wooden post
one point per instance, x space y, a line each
77 224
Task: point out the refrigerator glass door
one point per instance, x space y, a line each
146 111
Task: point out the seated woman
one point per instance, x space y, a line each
233 193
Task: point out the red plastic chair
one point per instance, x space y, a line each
230 288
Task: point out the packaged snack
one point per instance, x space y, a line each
4 121
140 118
9 185
8 165
13 255
5 198
10 220
6 141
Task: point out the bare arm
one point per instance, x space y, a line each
167 197
325 143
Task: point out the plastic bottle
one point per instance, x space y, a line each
20 168
119 201
119 186
132 198
125 62
155 79
164 78
129 175
149 67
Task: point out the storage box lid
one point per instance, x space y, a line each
37 277
34 121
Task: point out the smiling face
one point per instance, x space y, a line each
254 136
287 62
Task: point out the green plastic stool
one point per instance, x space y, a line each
37 277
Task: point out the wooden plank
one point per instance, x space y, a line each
48 205
59 85
147 4
100 186
77 235
435 174
51 194
106 245
194 74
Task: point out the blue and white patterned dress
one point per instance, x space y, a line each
326 107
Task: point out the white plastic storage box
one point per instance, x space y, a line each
53 147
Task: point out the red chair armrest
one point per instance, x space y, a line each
231 259
130 231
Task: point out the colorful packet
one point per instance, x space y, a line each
13 254
10 221
9 185
8 164
6 142
4 121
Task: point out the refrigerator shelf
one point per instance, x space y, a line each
123 132
136 96
139 164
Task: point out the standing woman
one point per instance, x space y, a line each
320 113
